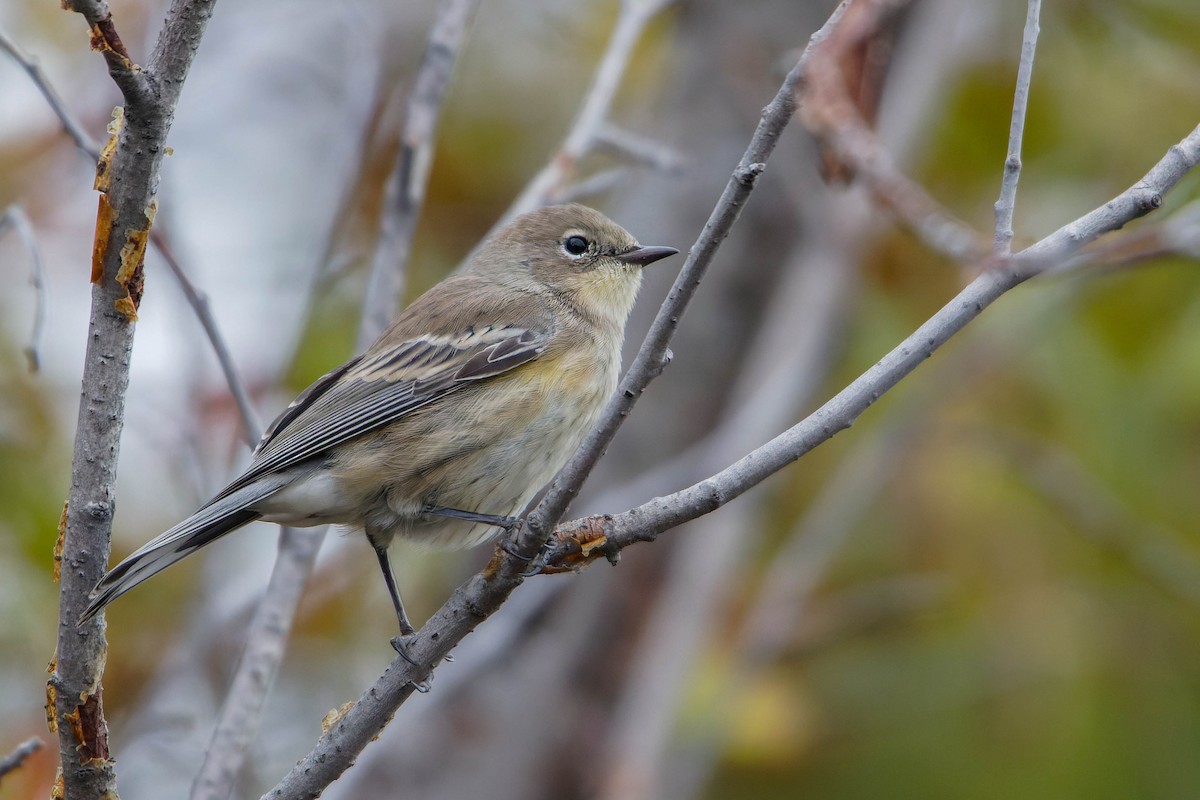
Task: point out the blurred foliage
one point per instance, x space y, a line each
1016 612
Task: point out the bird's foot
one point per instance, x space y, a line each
538 564
400 644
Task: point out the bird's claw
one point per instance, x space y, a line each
400 645
538 565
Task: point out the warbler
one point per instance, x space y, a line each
450 422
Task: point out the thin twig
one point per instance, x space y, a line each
1006 205
128 179
547 184
405 193
86 144
15 216
639 149
134 82
16 758
198 300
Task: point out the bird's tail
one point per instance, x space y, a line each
207 525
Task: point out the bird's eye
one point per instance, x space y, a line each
575 245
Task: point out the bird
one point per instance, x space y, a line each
446 427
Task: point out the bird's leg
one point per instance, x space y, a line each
508 523
385 564
407 631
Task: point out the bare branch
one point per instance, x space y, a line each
266 642
1006 205
405 193
16 758
15 216
198 300
639 149
135 83
548 184
86 144
127 177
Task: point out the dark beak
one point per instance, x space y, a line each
646 255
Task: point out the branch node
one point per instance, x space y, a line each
748 174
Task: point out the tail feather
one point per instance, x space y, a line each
206 525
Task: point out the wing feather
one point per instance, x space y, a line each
375 390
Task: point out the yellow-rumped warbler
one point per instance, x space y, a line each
453 419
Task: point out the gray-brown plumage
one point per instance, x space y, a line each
453 419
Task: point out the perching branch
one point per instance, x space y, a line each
645 522
405 193
127 177
1006 205
485 592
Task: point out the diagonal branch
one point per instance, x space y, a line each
198 300
832 116
135 83
645 522
653 355
20 753
83 140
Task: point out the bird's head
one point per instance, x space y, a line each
572 251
